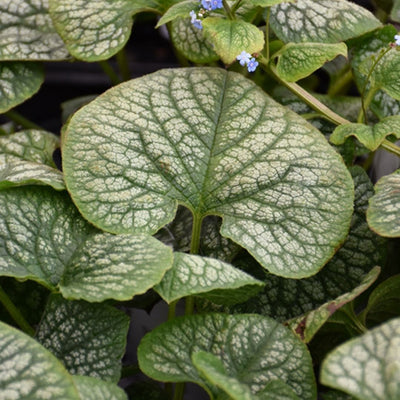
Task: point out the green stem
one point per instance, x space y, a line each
15 313
307 97
365 102
109 71
179 391
389 146
228 10
267 34
21 120
123 65
172 310
344 80
236 5
130 370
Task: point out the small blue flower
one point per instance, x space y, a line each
210 5
243 58
252 65
195 21
397 40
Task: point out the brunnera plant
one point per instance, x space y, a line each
236 186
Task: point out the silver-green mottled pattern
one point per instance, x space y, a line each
308 325
254 349
327 21
190 41
29 371
89 339
95 389
298 60
26 159
216 143
283 299
115 266
383 214
27 32
230 37
92 30
18 82
40 229
192 275
367 367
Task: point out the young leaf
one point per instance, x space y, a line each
94 30
213 141
327 21
193 275
252 349
383 213
308 325
27 32
298 60
284 299
89 339
370 136
181 9
190 41
231 37
43 238
29 371
214 372
367 367
95 389
18 82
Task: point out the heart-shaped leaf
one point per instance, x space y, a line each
383 213
27 32
95 389
298 60
26 158
92 30
195 275
190 41
231 37
212 368
370 136
29 371
213 141
44 238
284 299
327 21
89 339
18 82
367 366
308 325
253 349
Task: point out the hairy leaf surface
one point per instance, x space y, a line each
215 143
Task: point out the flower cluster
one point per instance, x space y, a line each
210 5
195 20
397 40
246 59
207 5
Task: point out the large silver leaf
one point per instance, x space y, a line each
214 142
